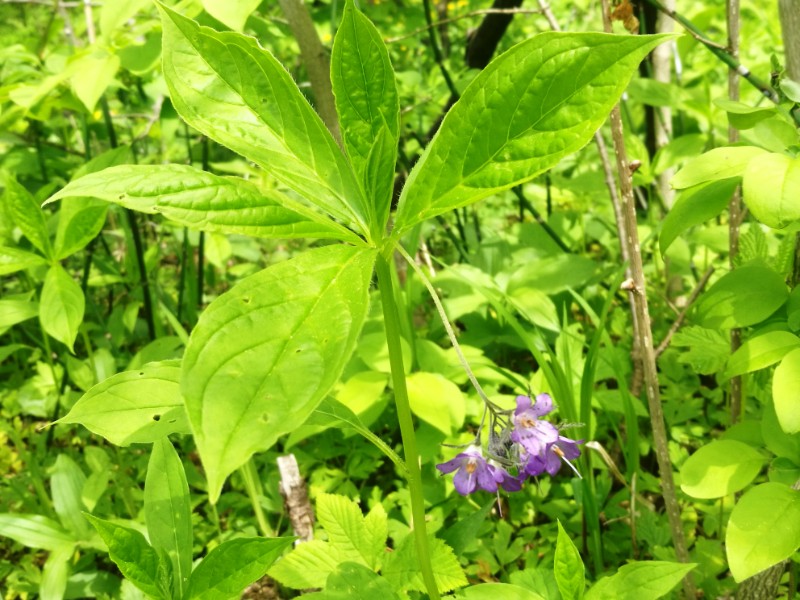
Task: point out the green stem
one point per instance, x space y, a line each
252 484
391 318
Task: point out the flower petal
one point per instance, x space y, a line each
452 464
523 404
486 479
544 405
465 482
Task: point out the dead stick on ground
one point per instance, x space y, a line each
644 333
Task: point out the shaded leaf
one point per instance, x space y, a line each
720 468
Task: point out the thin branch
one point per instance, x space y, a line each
469 15
437 51
643 331
723 54
735 205
315 60
682 315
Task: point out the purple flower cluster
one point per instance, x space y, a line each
535 446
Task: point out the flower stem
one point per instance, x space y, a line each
391 319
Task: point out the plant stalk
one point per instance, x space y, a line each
643 332
391 318
252 484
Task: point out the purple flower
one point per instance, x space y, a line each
508 482
474 472
530 432
562 449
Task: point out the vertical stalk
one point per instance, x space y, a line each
391 318
643 331
735 206
252 484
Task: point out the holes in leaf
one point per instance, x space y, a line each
264 418
246 299
156 418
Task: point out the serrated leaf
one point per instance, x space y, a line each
168 510
720 468
742 297
645 580
497 591
353 537
761 352
536 103
35 531
366 101
132 407
235 92
716 164
61 306
352 581
769 189
307 566
14 259
694 206
764 529
568 567
402 570
206 201
266 352
135 558
28 215
785 384
232 566
708 349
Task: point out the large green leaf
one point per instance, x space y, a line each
307 566
533 105
770 188
436 400
403 571
785 384
235 92
645 580
14 311
716 164
568 567
35 531
743 297
368 106
55 573
232 13
79 221
497 591
61 305
761 352
232 566
66 486
719 468
356 538
168 510
203 200
352 581
14 259
763 530
694 206
134 406
28 215
265 353
135 558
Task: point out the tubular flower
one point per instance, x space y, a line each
562 449
474 472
